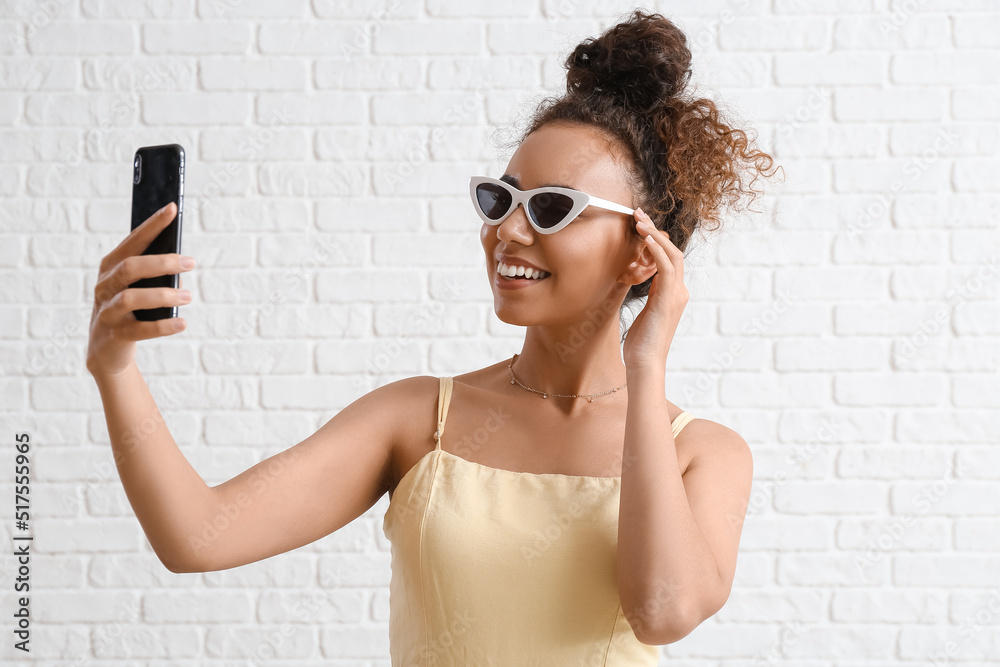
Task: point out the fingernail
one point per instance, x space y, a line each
187 262
185 295
178 324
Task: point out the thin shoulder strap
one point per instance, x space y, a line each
682 420
444 399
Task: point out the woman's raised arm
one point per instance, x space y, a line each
288 500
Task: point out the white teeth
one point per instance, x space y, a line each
520 271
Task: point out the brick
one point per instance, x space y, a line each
66 38
534 38
872 104
101 109
229 9
833 569
196 108
954 139
828 355
836 7
363 9
145 9
975 103
37 74
830 69
880 538
977 534
778 34
864 33
188 37
429 38
249 144
976 570
321 180
460 9
311 108
977 175
722 70
368 72
264 74
307 38
950 68
979 31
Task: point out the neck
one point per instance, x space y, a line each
571 363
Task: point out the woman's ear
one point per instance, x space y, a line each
643 264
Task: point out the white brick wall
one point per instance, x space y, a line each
328 140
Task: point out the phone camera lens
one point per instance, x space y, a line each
136 170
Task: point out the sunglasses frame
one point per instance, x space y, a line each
581 200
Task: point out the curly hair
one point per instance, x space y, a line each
685 161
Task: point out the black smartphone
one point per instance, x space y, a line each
157 180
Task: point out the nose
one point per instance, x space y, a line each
515 226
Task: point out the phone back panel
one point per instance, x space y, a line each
158 179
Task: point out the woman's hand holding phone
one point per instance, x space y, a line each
113 326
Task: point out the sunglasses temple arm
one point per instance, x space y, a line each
610 205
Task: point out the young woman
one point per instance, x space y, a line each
554 508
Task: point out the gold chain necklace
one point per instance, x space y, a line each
589 397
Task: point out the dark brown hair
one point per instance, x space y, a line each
684 162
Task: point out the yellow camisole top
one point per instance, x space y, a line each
498 568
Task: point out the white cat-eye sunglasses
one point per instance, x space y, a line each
549 209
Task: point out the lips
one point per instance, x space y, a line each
512 260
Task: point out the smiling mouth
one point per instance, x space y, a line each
528 274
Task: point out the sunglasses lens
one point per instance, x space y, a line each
493 200
549 208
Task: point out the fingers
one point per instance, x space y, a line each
118 311
140 237
668 257
138 330
133 268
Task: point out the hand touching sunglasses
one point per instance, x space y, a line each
549 209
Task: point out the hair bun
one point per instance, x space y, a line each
642 63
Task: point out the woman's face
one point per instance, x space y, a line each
590 261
